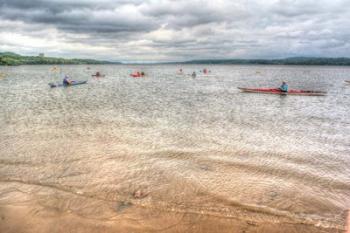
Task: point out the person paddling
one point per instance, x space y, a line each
284 87
194 74
67 80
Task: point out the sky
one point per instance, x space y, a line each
175 30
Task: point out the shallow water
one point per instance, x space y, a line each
202 156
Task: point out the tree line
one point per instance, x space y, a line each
342 61
13 59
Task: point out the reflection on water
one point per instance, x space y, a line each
171 153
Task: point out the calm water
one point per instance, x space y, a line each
193 150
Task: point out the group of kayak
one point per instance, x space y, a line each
282 90
205 71
67 81
136 74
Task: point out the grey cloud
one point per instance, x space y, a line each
292 8
104 16
80 20
185 28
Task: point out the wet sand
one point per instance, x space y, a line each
348 223
136 219
39 207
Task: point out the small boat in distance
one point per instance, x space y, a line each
180 72
137 74
277 91
98 75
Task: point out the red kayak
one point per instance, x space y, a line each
136 75
277 91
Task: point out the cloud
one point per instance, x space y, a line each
77 17
176 30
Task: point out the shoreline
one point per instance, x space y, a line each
36 219
47 208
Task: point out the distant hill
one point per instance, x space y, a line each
342 61
8 58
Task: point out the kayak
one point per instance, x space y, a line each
98 76
52 85
136 76
277 91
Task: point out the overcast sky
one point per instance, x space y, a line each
172 30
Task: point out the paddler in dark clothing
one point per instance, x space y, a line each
67 80
284 87
194 74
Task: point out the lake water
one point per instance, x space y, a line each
170 153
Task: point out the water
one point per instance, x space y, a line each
172 153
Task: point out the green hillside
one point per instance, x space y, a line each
13 59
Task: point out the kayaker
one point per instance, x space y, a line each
194 74
284 87
180 72
67 80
